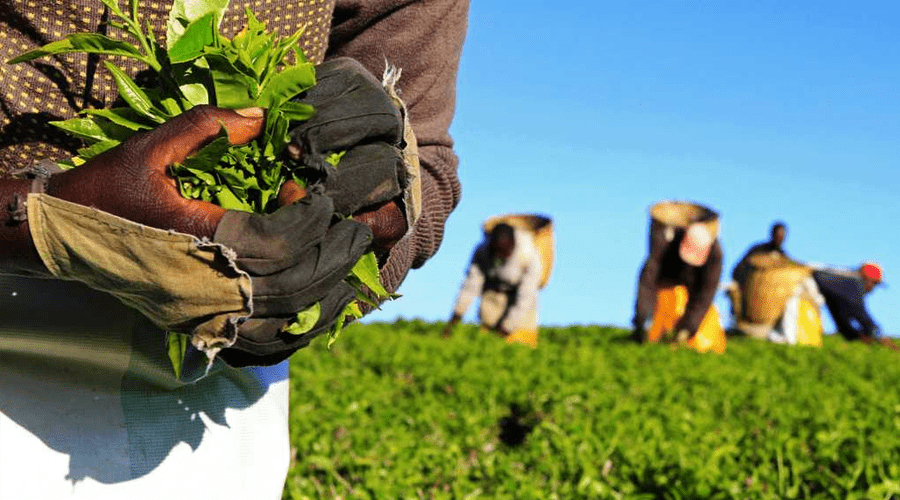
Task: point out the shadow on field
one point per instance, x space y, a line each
516 426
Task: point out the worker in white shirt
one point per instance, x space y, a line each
505 271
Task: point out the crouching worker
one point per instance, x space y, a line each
844 293
507 270
678 281
775 298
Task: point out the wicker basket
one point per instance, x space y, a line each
541 227
769 284
681 214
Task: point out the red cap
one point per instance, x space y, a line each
872 271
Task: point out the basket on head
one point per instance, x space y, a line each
771 281
540 227
681 214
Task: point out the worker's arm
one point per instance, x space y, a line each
854 319
119 225
424 40
646 289
129 181
526 293
17 252
471 286
704 291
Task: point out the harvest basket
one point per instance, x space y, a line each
541 227
769 284
681 214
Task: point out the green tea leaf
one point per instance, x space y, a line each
84 128
286 84
184 12
123 117
195 93
199 34
96 149
225 198
113 6
335 158
177 346
306 320
233 88
296 111
366 270
133 95
83 42
208 157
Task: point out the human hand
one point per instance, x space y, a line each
386 220
295 258
132 181
355 115
447 332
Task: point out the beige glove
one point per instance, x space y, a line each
179 282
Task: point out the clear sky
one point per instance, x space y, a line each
765 110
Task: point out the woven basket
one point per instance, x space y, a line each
681 214
541 227
769 284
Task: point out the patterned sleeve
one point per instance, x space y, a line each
425 40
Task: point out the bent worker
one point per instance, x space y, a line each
89 406
777 300
845 293
679 278
777 235
505 271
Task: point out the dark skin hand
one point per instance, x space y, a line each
448 330
132 180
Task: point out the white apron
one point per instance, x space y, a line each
90 407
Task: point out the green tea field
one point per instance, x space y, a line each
393 411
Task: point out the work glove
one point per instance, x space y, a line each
295 259
109 223
354 114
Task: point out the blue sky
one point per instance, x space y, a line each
763 110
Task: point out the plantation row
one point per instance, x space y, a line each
394 411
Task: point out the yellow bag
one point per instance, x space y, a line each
809 324
670 306
541 227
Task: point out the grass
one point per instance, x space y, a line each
395 411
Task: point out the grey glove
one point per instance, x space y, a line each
295 258
353 114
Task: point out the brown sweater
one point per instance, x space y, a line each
664 268
424 38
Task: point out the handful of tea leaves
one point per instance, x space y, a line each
199 66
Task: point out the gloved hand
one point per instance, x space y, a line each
295 258
356 115
273 265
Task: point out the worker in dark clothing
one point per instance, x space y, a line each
844 296
777 235
679 278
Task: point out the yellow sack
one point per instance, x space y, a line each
809 324
670 306
541 227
